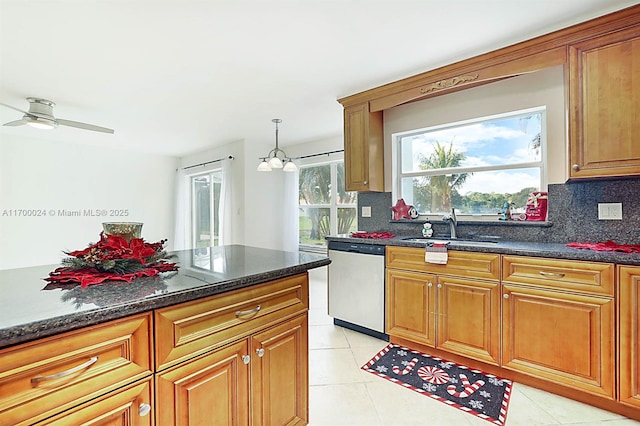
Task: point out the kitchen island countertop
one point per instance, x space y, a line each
523 248
31 308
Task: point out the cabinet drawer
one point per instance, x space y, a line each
130 406
189 329
460 263
588 277
45 377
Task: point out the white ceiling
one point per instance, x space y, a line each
182 76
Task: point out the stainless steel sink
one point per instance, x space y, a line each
461 241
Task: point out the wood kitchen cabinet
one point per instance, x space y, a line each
239 358
450 309
129 406
552 331
363 149
80 374
604 99
629 335
260 380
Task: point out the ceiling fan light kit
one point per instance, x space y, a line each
273 161
40 116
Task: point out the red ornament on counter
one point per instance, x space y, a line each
401 210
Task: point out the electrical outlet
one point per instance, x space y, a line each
366 211
610 211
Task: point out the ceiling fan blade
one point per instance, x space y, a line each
14 108
16 123
83 126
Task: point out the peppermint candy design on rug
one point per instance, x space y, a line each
434 375
407 369
469 388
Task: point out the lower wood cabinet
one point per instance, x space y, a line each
629 334
558 322
129 406
566 338
51 377
238 358
260 380
453 313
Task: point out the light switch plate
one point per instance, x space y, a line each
610 211
366 211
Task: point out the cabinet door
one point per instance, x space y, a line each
280 374
363 149
130 406
629 339
411 306
605 105
469 318
563 337
212 389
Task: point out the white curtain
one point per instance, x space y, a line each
291 212
181 233
225 208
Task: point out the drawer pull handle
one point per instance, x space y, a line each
68 372
144 409
260 352
551 274
249 312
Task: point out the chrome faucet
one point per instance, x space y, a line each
453 222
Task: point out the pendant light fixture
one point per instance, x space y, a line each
273 161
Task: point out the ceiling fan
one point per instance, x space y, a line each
40 115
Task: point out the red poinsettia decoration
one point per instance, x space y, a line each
113 258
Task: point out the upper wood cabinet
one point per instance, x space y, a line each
604 99
363 149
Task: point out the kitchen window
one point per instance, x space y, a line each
474 166
325 207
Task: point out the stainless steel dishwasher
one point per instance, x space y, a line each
356 287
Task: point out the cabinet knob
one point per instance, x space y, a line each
506 296
430 284
144 409
366 182
575 167
260 352
246 359
439 285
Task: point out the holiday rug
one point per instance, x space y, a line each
473 391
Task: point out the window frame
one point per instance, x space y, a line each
332 206
396 157
213 212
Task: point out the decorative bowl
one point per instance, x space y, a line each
126 230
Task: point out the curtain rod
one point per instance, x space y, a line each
318 155
230 157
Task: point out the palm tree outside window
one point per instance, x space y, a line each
325 207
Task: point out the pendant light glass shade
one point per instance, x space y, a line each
275 161
290 167
264 166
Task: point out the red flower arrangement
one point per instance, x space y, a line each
113 258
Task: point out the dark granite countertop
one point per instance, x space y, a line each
30 308
552 250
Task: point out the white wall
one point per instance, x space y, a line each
540 88
55 176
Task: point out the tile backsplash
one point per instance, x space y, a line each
572 215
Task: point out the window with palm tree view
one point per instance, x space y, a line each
474 166
325 207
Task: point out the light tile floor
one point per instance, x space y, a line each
342 394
